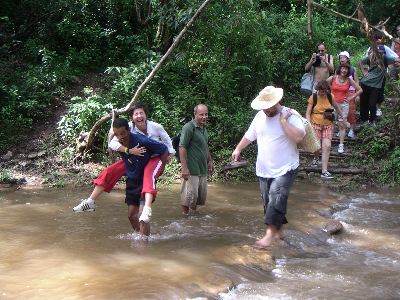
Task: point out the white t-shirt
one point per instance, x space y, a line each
277 154
155 132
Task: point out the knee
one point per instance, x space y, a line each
133 216
326 147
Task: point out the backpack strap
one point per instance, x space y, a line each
329 95
314 102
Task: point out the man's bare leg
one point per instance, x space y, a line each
279 235
269 237
185 210
133 216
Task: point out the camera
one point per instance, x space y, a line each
317 60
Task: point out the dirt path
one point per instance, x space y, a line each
35 161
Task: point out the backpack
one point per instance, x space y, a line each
352 70
175 144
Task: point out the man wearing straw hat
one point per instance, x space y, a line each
277 133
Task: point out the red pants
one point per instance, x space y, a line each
110 176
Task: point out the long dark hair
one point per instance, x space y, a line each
344 66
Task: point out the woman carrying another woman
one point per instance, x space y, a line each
340 84
318 103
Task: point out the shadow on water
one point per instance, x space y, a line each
49 252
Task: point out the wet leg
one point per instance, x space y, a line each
185 210
144 228
279 234
133 216
269 237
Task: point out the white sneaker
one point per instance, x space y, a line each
146 215
85 205
337 134
351 134
314 162
340 148
326 175
379 112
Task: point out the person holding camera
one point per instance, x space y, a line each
320 115
340 85
322 63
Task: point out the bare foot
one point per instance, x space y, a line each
263 243
279 235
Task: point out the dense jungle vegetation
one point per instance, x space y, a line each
233 50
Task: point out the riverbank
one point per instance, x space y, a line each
370 160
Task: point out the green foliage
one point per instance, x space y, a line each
83 113
229 54
391 168
5 175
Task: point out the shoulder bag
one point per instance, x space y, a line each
307 83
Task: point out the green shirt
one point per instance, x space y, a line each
195 140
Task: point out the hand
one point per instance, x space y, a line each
314 57
137 150
185 173
236 155
210 167
287 115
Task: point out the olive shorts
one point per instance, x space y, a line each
194 191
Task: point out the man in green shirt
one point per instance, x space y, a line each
195 160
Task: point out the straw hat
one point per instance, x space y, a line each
267 98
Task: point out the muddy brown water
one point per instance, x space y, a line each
49 252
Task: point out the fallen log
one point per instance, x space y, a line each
353 171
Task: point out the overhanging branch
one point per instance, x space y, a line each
144 84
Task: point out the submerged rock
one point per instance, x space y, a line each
332 227
247 256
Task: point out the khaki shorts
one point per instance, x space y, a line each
344 107
194 191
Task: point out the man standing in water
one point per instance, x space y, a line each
195 159
134 167
277 133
